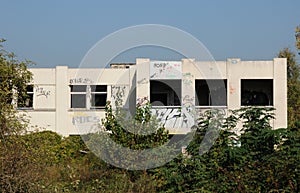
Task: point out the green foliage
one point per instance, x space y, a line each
17 174
293 86
64 164
258 137
297 35
259 159
140 132
256 158
14 77
128 142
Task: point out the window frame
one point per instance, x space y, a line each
72 93
29 95
257 79
97 93
88 96
173 94
209 105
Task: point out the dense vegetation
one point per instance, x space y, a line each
262 160
259 160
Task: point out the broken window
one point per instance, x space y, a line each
211 92
165 92
99 96
26 101
257 92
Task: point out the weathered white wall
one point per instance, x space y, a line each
51 102
83 122
51 108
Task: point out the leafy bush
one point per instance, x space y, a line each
263 160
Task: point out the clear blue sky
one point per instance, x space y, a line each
60 32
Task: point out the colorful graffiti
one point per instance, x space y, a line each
188 75
86 123
231 89
187 79
163 70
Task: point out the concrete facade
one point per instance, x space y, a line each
56 91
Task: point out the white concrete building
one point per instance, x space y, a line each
65 99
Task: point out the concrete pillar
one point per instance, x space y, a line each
62 100
233 83
280 92
188 82
131 99
143 78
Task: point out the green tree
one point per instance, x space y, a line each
254 165
141 132
297 35
17 173
128 141
258 138
14 77
293 85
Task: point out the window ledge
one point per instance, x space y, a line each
258 106
44 109
211 107
83 109
164 107
25 108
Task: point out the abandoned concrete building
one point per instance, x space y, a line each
65 100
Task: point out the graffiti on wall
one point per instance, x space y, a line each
174 117
143 81
118 94
187 82
80 81
187 75
165 70
188 101
86 122
85 119
187 78
231 89
40 91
